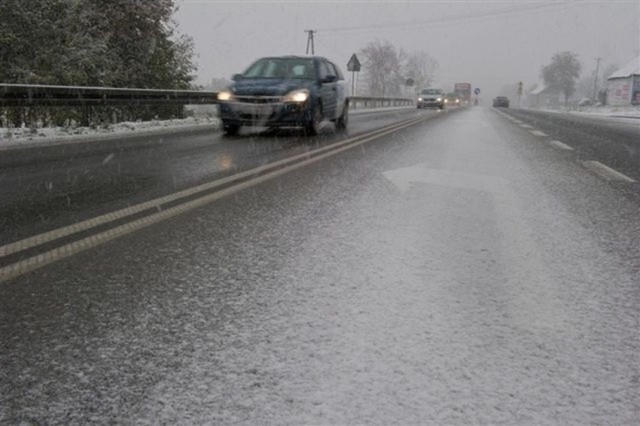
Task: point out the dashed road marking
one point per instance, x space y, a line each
538 133
271 171
560 145
606 172
526 126
84 225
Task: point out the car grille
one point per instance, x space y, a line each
259 99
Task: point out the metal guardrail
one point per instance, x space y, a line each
23 95
373 102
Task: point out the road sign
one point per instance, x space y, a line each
477 91
353 64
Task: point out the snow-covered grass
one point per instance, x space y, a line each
202 116
27 136
609 111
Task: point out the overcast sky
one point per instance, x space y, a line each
489 44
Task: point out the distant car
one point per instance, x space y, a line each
452 99
501 102
585 102
287 91
431 98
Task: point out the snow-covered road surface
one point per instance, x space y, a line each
460 271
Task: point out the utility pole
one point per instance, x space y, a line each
595 80
310 41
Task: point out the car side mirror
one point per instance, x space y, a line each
237 77
330 78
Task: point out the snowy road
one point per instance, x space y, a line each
464 270
43 188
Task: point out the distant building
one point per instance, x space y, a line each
623 86
543 97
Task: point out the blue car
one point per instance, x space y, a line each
287 91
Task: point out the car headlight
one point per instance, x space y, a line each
297 96
446 100
419 99
439 99
225 96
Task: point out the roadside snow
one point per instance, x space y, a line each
608 111
25 136
203 116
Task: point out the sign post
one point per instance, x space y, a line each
519 94
354 66
476 91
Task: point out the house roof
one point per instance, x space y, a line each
541 87
632 68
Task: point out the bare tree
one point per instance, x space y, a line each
383 69
562 73
420 67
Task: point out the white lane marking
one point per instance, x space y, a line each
606 172
108 158
517 121
526 126
27 265
55 234
405 177
538 133
560 145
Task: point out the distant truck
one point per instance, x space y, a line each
464 92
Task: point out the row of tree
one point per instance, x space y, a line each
115 43
388 68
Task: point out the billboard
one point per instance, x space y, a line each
619 91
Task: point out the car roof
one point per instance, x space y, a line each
296 57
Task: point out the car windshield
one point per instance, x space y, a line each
431 92
281 68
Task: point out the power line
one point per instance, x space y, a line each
451 19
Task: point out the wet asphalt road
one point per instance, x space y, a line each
460 271
43 188
612 140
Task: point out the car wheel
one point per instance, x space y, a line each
230 129
343 120
313 125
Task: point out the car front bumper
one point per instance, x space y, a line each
430 103
275 114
